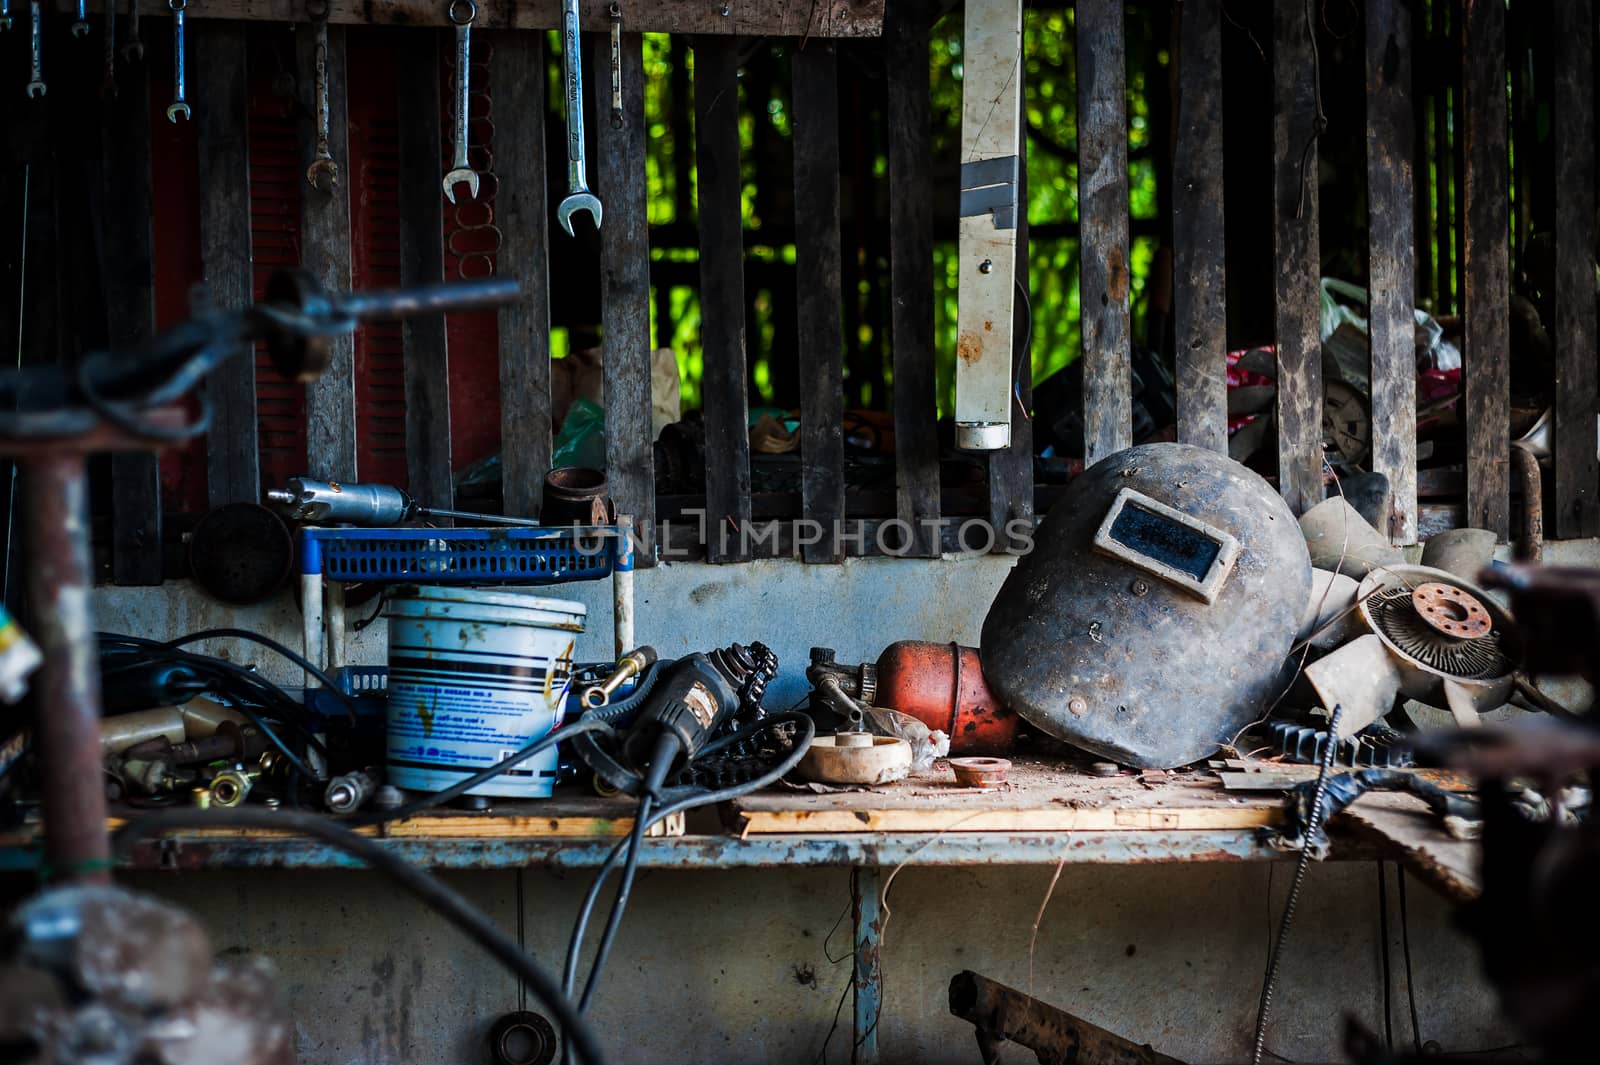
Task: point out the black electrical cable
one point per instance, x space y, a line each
668 746
1411 987
293 759
425 887
271 645
1383 938
696 797
483 776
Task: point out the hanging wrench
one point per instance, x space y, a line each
462 12
579 198
133 49
80 25
5 14
36 47
323 173
108 87
616 64
179 105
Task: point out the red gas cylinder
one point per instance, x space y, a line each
941 684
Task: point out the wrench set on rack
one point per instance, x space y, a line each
323 171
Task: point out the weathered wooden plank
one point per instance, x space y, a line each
820 301
517 87
1420 201
725 401
1486 268
128 277
1199 262
1011 510
325 255
1390 250
427 377
1103 279
755 18
625 300
219 95
1577 488
1294 202
911 274
1443 50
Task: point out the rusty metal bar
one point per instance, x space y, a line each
1001 1014
867 920
67 687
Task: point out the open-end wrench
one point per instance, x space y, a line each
462 12
323 173
5 14
108 87
179 105
35 49
133 48
80 24
579 198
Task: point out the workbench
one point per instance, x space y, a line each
1047 812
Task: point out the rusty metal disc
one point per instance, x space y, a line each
1451 611
980 772
241 553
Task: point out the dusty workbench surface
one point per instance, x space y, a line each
1048 810
1038 795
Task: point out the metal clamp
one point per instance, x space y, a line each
990 185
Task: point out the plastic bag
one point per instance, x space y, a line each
582 440
926 744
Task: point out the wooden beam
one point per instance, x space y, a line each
754 18
1577 489
427 371
1199 296
1011 470
128 277
725 401
625 299
219 96
1390 247
1486 269
818 293
1103 278
325 255
1298 321
517 80
911 274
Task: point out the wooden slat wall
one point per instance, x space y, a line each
1294 207
325 255
818 294
129 277
427 376
1390 242
1397 190
1011 470
517 86
625 298
1104 275
218 91
1199 291
1486 268
917 502
1577 493
726 406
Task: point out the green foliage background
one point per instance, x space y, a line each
1051 100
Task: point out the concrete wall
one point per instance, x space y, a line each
733 966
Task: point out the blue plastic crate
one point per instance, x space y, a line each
504 555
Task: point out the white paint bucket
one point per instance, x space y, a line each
475 676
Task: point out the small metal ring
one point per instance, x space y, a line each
177 5
472 12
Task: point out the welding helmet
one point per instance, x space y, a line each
1150 621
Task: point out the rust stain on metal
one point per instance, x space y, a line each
969 348
1116 275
